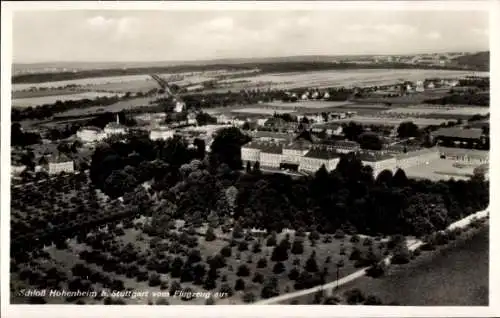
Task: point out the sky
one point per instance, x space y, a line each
137 36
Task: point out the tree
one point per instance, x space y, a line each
258 278
408 129
239 285
248 297
226 147
243 271
272 240
262 263
370 141
354 296
210 235
279 268
297 247
226 251
249 167
311 265
400 179
279 254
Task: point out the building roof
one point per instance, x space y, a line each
461 133
298 145
114 125
270 134
93 128
59 158
372 156
341 143
322 153
266 146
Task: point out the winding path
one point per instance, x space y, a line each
327 288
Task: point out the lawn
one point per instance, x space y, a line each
443 277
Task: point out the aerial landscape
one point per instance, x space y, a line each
229 158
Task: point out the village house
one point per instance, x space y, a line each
318 156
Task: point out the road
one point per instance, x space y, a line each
327 288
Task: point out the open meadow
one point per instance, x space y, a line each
51 99
116 107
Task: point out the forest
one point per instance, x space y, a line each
349 198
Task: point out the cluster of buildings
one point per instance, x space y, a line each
95 134
308 157
51 164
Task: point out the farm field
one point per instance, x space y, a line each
439 278
51 99
314 104
350 77
262 111
411 99
423 110
45 92
372 120
117 107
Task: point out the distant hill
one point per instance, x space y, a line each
479 61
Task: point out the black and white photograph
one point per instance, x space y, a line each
327 155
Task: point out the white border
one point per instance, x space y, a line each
244 311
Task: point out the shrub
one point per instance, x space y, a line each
354 296
367 242
243 271
355 254
272 240
226 289
239 285
210 235
311 265
327 239
376 270
162 301
339 234
314 235
226 251
401 255
258 278
355 238
262 263
243 246
279 268
297 247
372 301
248 297
256 248
293 274
154 280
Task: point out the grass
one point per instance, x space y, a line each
117 107
443 277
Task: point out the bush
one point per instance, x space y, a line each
225 289
355 238
258 278
297 247
354 296
293 274
154 280
239 285
339 234
401 255
376 270
262 263
279 268
272 240
367 242
311 265
256 248
395 241
243 246
327 239
226 251
372 301
314 235
355 254
210 235
248 297
243 271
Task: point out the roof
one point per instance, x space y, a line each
266 146
59 158
114 125
298 145
341 143
373 156
91 128
270 134
473 153
455 132
322 153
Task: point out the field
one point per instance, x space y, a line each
261 111
314 104
440 169
379 120
423 110
444 277
411 99
349 77
117 107
114 240
51 99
